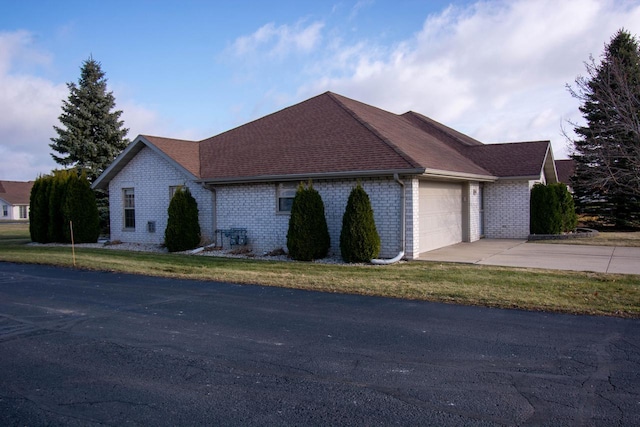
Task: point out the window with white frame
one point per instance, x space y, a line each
5 210
285 193
129 204
23 212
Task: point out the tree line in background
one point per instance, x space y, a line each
606 182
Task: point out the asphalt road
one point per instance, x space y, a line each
91 348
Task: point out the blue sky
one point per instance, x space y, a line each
495 70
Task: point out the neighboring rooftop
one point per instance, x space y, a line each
16 192
566 169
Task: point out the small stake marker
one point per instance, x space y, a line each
73 249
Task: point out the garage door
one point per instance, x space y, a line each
440 214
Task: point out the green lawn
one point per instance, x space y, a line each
530 289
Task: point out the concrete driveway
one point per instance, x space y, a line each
519 253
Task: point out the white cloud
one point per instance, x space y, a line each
495 70
30 106
278 41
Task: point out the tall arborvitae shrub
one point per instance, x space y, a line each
79 207
57 190
359 239
568 215
545 214
183 229
39 210
308 234
58 199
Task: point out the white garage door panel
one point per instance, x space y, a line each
440 214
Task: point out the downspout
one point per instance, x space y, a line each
403 228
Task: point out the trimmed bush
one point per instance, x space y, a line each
80 208
359 239
308 234
57 199
57 190
183 229
552 209
39 210
567 207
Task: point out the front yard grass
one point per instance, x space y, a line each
528 289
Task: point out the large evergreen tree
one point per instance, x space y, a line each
607 150
91 135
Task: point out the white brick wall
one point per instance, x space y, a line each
151 176
250 206
253 206
507 209
474 211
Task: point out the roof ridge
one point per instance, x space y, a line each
443 129
372 129
170 139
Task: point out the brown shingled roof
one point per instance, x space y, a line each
565 169
328 134
313 137
186 153
331 135
512 159
16 192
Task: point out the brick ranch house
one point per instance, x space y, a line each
14 200
430 186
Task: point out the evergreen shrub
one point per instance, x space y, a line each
183 229
552 210
359 239
308 234
56 200
39 210
567 207
80 208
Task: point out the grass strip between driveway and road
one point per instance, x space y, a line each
504 287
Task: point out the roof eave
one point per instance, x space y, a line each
307 176
443 174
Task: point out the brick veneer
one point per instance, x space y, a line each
151 176
250 206
507 209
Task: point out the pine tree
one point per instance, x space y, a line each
607 150
359 238
92 135
183 229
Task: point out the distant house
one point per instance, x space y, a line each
565 170
14 200
430 186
